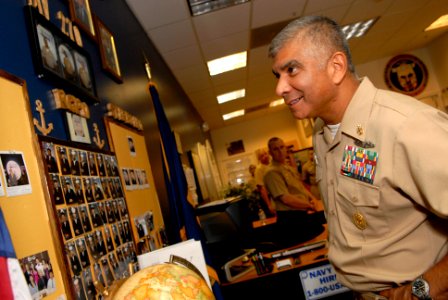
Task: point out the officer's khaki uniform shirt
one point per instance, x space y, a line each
281 179
384 233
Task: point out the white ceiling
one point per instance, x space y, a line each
187 43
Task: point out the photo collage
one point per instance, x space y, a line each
89 201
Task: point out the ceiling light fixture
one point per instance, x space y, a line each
199 7
234 114
231 96
358 29
441 21
227 63
276 103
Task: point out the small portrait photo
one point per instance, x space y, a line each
103 214
77 126
92 164
48 50
83 71
95 215
100 244
85 220
68 62
149 219
15 173
91 244
109 239
73 156
58 194
77 183
127 180
108 275
101 165
118 188
98 192
133 177
89 284
98 273
84 164
78 287
140 224
69 190
73 258
50 157
65 224
112 188
63 160
115 210
88 190
122 208
115 235
83 253
131 146
105 186
76 221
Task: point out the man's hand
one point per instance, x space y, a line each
401 293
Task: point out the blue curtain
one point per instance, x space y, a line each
181 210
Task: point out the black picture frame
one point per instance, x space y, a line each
59 59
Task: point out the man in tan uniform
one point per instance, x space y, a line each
297 219
381 166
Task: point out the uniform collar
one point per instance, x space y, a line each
358 111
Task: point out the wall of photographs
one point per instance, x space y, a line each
95 227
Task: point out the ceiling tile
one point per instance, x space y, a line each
258 62
173 36
226 45
183 57
153 14
222 22
194 78
267 12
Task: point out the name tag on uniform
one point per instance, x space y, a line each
359 163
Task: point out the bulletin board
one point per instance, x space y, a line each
23 193
91 215
145 213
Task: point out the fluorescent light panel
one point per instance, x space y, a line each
227 63
199 7
231 96
234 114
276 102
442 21
358 29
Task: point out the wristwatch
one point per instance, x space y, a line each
420 288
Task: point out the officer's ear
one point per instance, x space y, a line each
337 67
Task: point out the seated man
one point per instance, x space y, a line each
297 219
263 163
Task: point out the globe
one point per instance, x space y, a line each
164 282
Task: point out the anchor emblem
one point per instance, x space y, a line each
42 127
98 141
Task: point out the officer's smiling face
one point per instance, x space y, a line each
304 81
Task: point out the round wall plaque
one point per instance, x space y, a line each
406 74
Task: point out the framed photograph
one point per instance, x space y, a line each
59 59
108 51
77 126
82 16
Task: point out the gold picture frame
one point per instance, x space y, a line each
108 51
81 15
